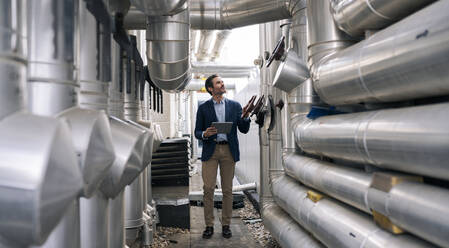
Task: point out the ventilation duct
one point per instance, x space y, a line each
168 51
12 56
220 41
407 60
413 139
285 230
206 37
229 14
160 7
333 223
34 161
402 203
354 17
37 152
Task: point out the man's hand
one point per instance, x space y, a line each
210 131
248 107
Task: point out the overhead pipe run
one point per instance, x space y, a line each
229 14
355 17
334 224
407 60
204 47
403 203
160 7
218 46
413 140
168 51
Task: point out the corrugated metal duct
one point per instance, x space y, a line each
168 51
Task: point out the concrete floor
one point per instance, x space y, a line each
240 234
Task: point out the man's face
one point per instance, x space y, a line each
218 86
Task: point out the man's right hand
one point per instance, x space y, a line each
210 131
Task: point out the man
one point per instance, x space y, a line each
219 149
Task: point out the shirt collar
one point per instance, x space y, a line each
222 101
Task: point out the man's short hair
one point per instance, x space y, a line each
209 83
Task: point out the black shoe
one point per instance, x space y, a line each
208 232
226 232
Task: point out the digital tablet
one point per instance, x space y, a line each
222 127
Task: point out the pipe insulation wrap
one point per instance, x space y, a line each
168 51
414 206
335 224
354 17
407 60
285 230
229 14
413 140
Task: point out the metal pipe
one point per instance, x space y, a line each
94 221
403 204
285 230
335 224
117 85
160 7
116 217
229 14
135 19
168 51
205 45
13 55
402 139
218 46
323 36
354 17
392 64
134 209
34 161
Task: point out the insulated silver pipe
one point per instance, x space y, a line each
220 41
335 224
13 46
403 204
414 139
52 81
392 64
285 230
115 101
354 17
323 35
229 14
160 7
206 37
116 217
168 51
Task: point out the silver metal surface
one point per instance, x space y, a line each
160 7
392 64
91 134
116 216
134 206
205 45
135 19
335 224
323 35
414 206
93 91
285 230
13 52
228 14
67 232
147 144
168 51
413 139
115 100
35 162
356 16
94 221
225 71
291 72
131 99
51 45
128 142
218 46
